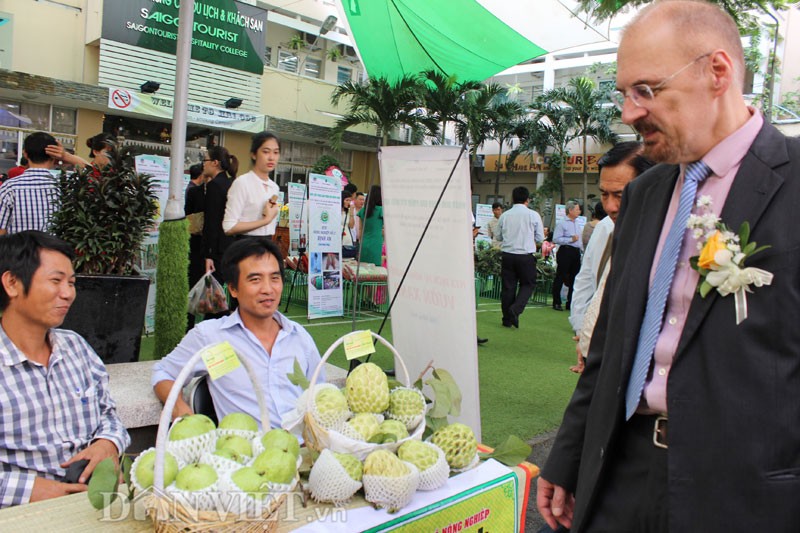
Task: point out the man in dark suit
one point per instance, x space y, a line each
711 441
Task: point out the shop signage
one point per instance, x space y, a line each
225 32
161 107
539 163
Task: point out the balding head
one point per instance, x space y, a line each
697 27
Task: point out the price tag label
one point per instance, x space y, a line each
358 343
220 359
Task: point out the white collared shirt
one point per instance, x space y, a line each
246 199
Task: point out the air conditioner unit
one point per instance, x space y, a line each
349 51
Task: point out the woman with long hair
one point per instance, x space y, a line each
371 227
102 149
219 167
252 208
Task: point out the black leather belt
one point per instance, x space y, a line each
655 425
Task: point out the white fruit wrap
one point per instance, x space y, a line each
391 493
350 432
258 449
329 482
472 464
410 421
135 464
204 500
341 443
222 465
249 435
434 476
328 420
192 449
241 503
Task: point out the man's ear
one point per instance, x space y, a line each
11 284
233 290
723 71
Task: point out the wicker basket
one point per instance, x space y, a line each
319 438
170 514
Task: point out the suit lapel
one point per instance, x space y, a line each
752 190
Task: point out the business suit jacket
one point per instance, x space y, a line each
215 242
733 392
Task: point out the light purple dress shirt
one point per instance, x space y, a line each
724 160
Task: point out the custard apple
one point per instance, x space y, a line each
394 427
330 402
458 443
406 402
352 466
365 424
367 389
384 463
419 454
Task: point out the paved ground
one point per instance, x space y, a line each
541 449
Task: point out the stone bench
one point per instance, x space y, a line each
138 406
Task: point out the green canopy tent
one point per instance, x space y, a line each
467 39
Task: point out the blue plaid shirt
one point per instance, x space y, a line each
28 201
51 413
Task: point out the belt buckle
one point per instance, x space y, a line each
660 432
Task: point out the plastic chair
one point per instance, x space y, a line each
200 399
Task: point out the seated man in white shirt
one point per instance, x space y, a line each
253 269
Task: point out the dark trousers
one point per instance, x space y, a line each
569 263
634 496
516 269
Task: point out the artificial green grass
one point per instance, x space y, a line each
525 382
172 285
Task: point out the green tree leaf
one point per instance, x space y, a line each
298 377
510 452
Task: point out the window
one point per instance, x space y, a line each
39 115
268 55
287 61
312 67
343 75
64 120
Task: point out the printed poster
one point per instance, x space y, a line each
483 215
298 215
324 246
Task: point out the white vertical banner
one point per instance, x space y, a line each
433 318
298 214
324 246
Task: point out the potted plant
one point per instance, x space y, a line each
334 53
105 213
297 42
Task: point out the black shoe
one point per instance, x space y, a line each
482 341
567 307
557 307
515 320
507 324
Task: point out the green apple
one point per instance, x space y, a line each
241 421
145 469
191 426
279 466
227 453
196 476
283 440
251 480
236 443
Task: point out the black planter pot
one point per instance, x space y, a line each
109 313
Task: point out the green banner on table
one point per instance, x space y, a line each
488 508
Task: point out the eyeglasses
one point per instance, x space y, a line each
642 94
207 160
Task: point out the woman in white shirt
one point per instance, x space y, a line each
252 208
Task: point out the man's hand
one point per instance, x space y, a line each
94 453
555 504
46 489
56 151
578 367
162 390
575 238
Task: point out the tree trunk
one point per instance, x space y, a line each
499 165
444 131
561 172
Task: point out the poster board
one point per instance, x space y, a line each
324 246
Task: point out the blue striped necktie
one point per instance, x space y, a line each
657 296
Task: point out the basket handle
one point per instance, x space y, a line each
169 405
340 341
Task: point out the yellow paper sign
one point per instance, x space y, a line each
358 343
220 359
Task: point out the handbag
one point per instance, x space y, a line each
350 251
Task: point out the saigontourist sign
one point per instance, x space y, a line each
161 106
225 32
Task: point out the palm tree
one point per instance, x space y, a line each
504 118
473 126
385 104
592 119
443 97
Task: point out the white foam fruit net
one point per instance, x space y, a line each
192 449
411 421
244 504
134 479
249 435
351 433
436 475
326 420
329 482
472 464
205 499
222 465
391 493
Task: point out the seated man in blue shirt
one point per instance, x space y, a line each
55 406
253 269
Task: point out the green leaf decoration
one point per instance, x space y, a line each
432 424
441 403
393 384
298 377
744 234
382 438
105 480
453 390
693 261
705 288
510 452
418 384
126 465
759 249
748 249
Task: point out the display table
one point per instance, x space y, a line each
490 496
